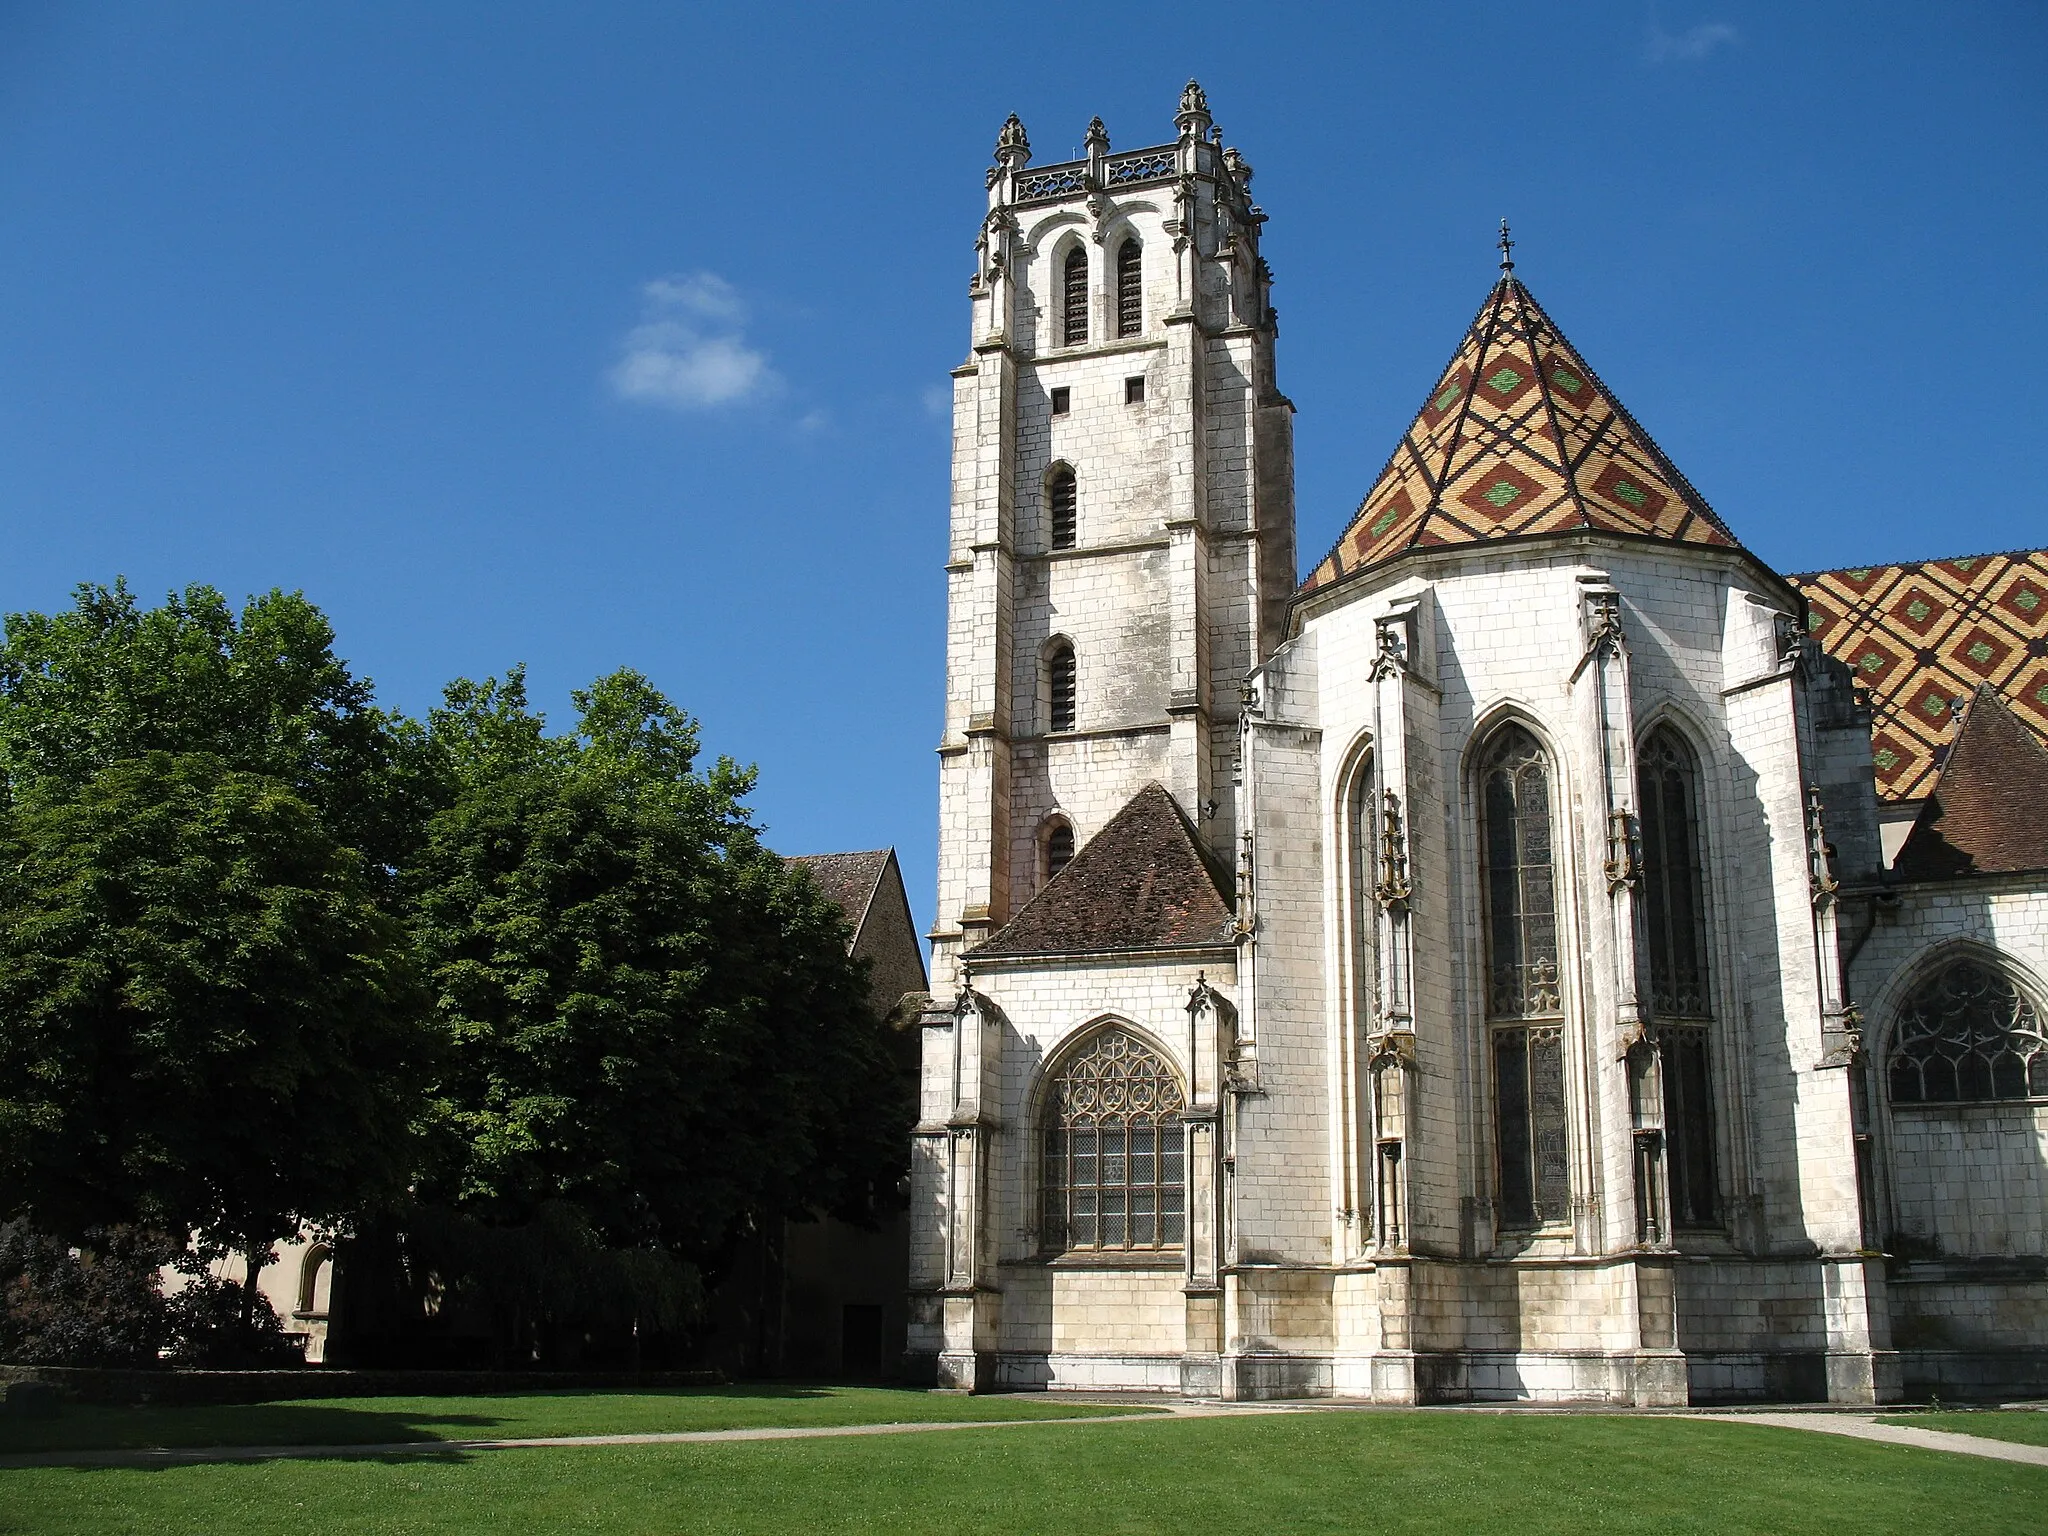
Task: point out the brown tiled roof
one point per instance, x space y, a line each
848 878
1519 438
1989 810
1142 882
1921 637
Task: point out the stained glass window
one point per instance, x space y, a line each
1674 882
1114 1175
1520 885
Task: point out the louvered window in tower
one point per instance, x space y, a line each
1059 849
1130 289
1675 927
1059 670
1524 1001
1061 507
1074 298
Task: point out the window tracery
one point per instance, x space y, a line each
1967 1035
1114 1155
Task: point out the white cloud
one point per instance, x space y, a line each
690 352
1690 45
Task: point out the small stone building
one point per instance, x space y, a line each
1547 953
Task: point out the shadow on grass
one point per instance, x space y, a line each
161 1436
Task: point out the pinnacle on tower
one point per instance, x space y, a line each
1193 119
1098 137
1013 149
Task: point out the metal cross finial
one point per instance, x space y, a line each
1507 246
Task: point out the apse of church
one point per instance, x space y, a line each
1440 979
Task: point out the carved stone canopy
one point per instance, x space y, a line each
1013 148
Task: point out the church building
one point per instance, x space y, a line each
1546 953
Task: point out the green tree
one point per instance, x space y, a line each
109 681
653 1020
207 1019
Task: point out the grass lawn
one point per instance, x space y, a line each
2025 1426
1300 1473
387 1420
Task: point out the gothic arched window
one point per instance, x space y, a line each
1524 1003
1130 288
1062 510
1967 1035
1059 677
1074 298
1059 848
1114 1160
1675 925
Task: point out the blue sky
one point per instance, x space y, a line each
614 334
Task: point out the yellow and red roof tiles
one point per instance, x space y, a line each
1921 638
1519 438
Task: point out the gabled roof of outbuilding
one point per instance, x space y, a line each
1142 882
1985 816
850 879
1922 636
1519 439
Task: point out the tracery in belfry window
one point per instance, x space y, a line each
1674 880
1059 681
1074 298
1113 1167
1062 507
1523 998
1674 916
1967 1035
1130 288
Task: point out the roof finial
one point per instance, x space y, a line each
1507 247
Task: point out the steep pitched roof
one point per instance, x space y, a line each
1986 815
1142 882
1519 438
848 878
1922 636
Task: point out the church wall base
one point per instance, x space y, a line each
1020 1372
1975 1375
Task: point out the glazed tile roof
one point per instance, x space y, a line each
1519 438
1985 815
1142 882
1921 638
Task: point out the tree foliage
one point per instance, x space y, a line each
653 1020
209 1019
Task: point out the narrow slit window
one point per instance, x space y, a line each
1134 390
1130 289
1062 508
1059 849
1074 298
1062 400
1060 679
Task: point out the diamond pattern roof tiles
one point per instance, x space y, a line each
1922 637
1519 438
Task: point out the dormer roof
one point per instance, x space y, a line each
1984 817
1519 439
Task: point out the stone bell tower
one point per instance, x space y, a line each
1122 544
